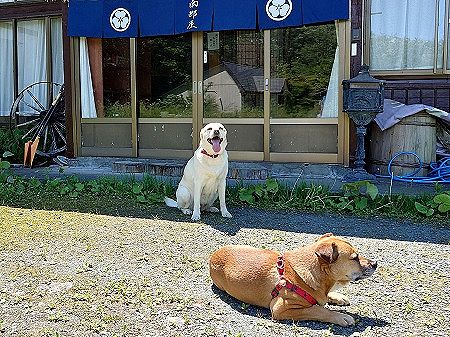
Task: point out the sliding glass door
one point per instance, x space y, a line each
233 89
164 91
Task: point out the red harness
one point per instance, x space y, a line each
209 155
282 282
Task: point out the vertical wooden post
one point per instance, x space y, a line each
267 76
134 99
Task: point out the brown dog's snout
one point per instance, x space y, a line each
373 264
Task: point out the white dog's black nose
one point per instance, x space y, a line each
216 132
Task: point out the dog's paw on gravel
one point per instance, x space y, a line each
338 299
343 319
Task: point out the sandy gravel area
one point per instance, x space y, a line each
74 274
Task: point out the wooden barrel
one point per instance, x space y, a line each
416 133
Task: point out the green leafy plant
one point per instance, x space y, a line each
443 202
259 192
422 209
440 202
105 194
4 168
359 194
12 144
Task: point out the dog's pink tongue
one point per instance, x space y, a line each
215 145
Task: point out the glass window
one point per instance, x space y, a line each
6 67
32 57
304 72
164 76
33 61
57 51
403 34
234 74
105 78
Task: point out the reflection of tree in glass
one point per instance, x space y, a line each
170 64
304 57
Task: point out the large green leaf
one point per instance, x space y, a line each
4 165
272 185
361 203
423 209
372 190
444 208
246 195
442 199
137 189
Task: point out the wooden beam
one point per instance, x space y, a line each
20 10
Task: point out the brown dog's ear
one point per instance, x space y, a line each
327 235
328 253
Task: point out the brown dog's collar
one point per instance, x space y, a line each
209 155
282 282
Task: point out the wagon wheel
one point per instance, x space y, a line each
39 111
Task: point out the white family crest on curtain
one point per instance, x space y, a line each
403 34
6 67
120 19
278 10
88 109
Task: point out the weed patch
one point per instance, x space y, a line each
108 195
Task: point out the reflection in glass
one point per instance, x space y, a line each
164 77
234 75
105 78
304 72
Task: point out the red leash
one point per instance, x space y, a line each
282 282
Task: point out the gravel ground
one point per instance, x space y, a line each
72 274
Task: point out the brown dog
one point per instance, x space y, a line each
296 285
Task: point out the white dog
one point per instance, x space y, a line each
205 174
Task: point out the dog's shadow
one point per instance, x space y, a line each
362 321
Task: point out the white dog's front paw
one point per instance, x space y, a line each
195 216
226 214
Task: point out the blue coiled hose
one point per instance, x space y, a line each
440 171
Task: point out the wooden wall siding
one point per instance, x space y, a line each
30 10
434 92
70 152
356 15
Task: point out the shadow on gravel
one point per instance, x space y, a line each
362 321
283 220
318 224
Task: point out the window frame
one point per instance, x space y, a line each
366 26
